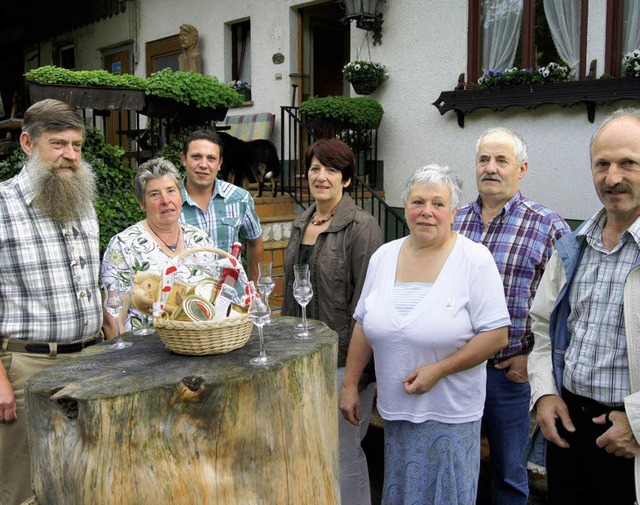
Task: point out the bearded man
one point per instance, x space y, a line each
50 306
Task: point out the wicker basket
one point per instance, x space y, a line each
199 338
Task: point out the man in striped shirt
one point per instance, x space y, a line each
50 303
521 235
226 212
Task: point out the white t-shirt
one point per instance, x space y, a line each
467 297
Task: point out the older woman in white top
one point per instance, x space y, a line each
432 311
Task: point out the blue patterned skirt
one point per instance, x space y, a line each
431 463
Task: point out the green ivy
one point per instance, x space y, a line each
354 112
115 204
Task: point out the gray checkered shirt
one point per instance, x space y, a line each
596 364
48 270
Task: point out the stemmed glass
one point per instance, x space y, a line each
266 283
259 313
113 304
303 293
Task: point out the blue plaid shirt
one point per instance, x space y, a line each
231 213
521 238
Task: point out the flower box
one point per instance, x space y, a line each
565 94
90 97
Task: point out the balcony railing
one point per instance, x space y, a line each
296 137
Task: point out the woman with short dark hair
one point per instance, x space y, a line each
336 238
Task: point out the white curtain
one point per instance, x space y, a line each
631 26
563 17
244 55
501 22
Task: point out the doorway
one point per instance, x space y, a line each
323 49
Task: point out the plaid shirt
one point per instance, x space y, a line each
231 213
521 238
596 362
48 270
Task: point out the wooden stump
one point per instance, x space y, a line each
146 426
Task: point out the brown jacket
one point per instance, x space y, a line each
338 267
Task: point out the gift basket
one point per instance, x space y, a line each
209 317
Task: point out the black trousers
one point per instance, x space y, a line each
584 473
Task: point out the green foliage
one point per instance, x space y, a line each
192 88
115 205
50 74
515 76
11 165
362 69
354 112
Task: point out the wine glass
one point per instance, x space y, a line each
113 304
266 283
303 293
258 313
303 271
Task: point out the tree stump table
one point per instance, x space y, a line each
143 425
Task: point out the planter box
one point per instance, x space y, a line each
160 107
566 94
90 97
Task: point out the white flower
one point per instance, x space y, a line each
545 73
357 67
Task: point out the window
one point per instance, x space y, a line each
241 51
623 32
526 34
163 53
64 55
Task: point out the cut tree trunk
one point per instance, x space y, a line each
144 425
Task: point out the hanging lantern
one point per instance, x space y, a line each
366 14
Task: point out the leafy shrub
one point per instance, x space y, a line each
192 88
355 112
50 74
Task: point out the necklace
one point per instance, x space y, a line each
322 221
172 247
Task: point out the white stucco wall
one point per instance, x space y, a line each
424 46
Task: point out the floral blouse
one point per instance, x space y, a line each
134 250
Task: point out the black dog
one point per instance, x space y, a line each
250 161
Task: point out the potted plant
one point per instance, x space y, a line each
365 76
242 87
515 76
189 96
95 89
339 112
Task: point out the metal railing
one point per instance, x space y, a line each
294 140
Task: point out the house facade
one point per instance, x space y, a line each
426 45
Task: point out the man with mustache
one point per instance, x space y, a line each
521 235
50 305
585 365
